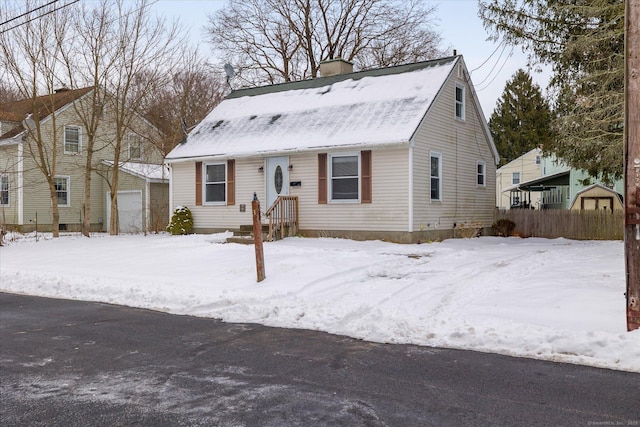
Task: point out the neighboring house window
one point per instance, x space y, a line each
135 152
481 174
61 183
515 178
4 190
72 141
345 178
537 160
436 176
459 102
215 184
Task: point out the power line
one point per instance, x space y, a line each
488 58
39 16
28 12
501 67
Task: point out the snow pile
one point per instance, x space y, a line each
558 299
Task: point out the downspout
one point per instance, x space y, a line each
410 225
147 203
170 191
20 183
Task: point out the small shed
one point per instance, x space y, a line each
597 197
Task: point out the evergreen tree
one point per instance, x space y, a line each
584 43
521 120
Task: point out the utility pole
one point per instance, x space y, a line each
632 161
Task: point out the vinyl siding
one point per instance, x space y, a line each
9 167
387 211
248 179
462 144
36 191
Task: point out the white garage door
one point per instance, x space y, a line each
129 211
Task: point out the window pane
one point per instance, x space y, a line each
435 166
458 94
72 139
215 193
215 173
435 188
62 193
4 190
71 134
344 166
344 189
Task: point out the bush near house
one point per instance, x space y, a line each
503 227
181 221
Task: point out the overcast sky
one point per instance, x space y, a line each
457 21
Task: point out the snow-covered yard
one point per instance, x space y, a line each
557 299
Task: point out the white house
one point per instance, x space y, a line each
400 153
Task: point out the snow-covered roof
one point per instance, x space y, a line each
146 171
377 107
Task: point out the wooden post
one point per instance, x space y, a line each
257 237
632 162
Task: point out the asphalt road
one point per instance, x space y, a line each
73 363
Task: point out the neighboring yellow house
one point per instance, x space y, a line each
25 201
509 176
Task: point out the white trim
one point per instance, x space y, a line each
20 183
8 204
171 192
204 184
64 139
147 206
330 176
484 173
462 102
433 154
410 178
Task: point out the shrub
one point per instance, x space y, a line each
181 221
503 227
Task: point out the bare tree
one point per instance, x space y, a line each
8 93
183 101
29 56
271 41
144 46
88 59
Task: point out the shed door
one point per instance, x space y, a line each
129 211
277 178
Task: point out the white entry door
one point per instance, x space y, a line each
129 211
277 179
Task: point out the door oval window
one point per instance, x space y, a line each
278 179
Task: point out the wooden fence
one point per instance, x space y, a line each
579 225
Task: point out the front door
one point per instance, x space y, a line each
277 177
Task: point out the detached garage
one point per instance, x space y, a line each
129 211
143 198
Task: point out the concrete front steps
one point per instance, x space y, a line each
245 235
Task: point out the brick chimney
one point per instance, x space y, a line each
333 67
